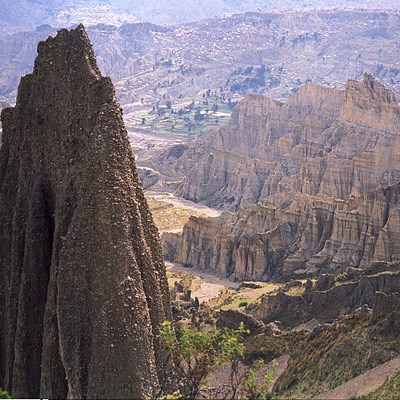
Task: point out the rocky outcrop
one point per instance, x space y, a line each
233 319
83 287
375 291
170 243
315 234
148 177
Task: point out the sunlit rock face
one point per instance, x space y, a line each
323 169
83 287
322 141
314 234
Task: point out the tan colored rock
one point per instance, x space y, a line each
322 141
324 170
314 234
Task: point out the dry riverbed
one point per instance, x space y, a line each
210 286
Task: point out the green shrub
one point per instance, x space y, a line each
197 353
4 394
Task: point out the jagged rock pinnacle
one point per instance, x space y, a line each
82 281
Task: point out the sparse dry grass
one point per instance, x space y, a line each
239 299
322 362
168 217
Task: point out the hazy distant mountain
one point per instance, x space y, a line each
178 11
27 14
154 62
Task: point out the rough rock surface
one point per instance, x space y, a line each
233 318
372 290
322 141
324 169
315 234
82 280
170 243
148 176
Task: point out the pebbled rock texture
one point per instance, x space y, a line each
83 286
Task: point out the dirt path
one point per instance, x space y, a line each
211 285
364 384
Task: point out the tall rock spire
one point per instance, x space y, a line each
83 287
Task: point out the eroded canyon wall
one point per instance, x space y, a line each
315 234
324 169
322 141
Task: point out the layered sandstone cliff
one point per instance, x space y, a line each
83 287
315 234
324 171
322 141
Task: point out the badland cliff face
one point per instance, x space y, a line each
83 284
315 234
323 141
324 169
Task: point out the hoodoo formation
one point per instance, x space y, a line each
83 284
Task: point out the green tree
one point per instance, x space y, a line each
253 387
4 394
197 353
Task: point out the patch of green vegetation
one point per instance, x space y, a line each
294 288
4 394
234 302
188 281
184 116
196 354
390 390
240 298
